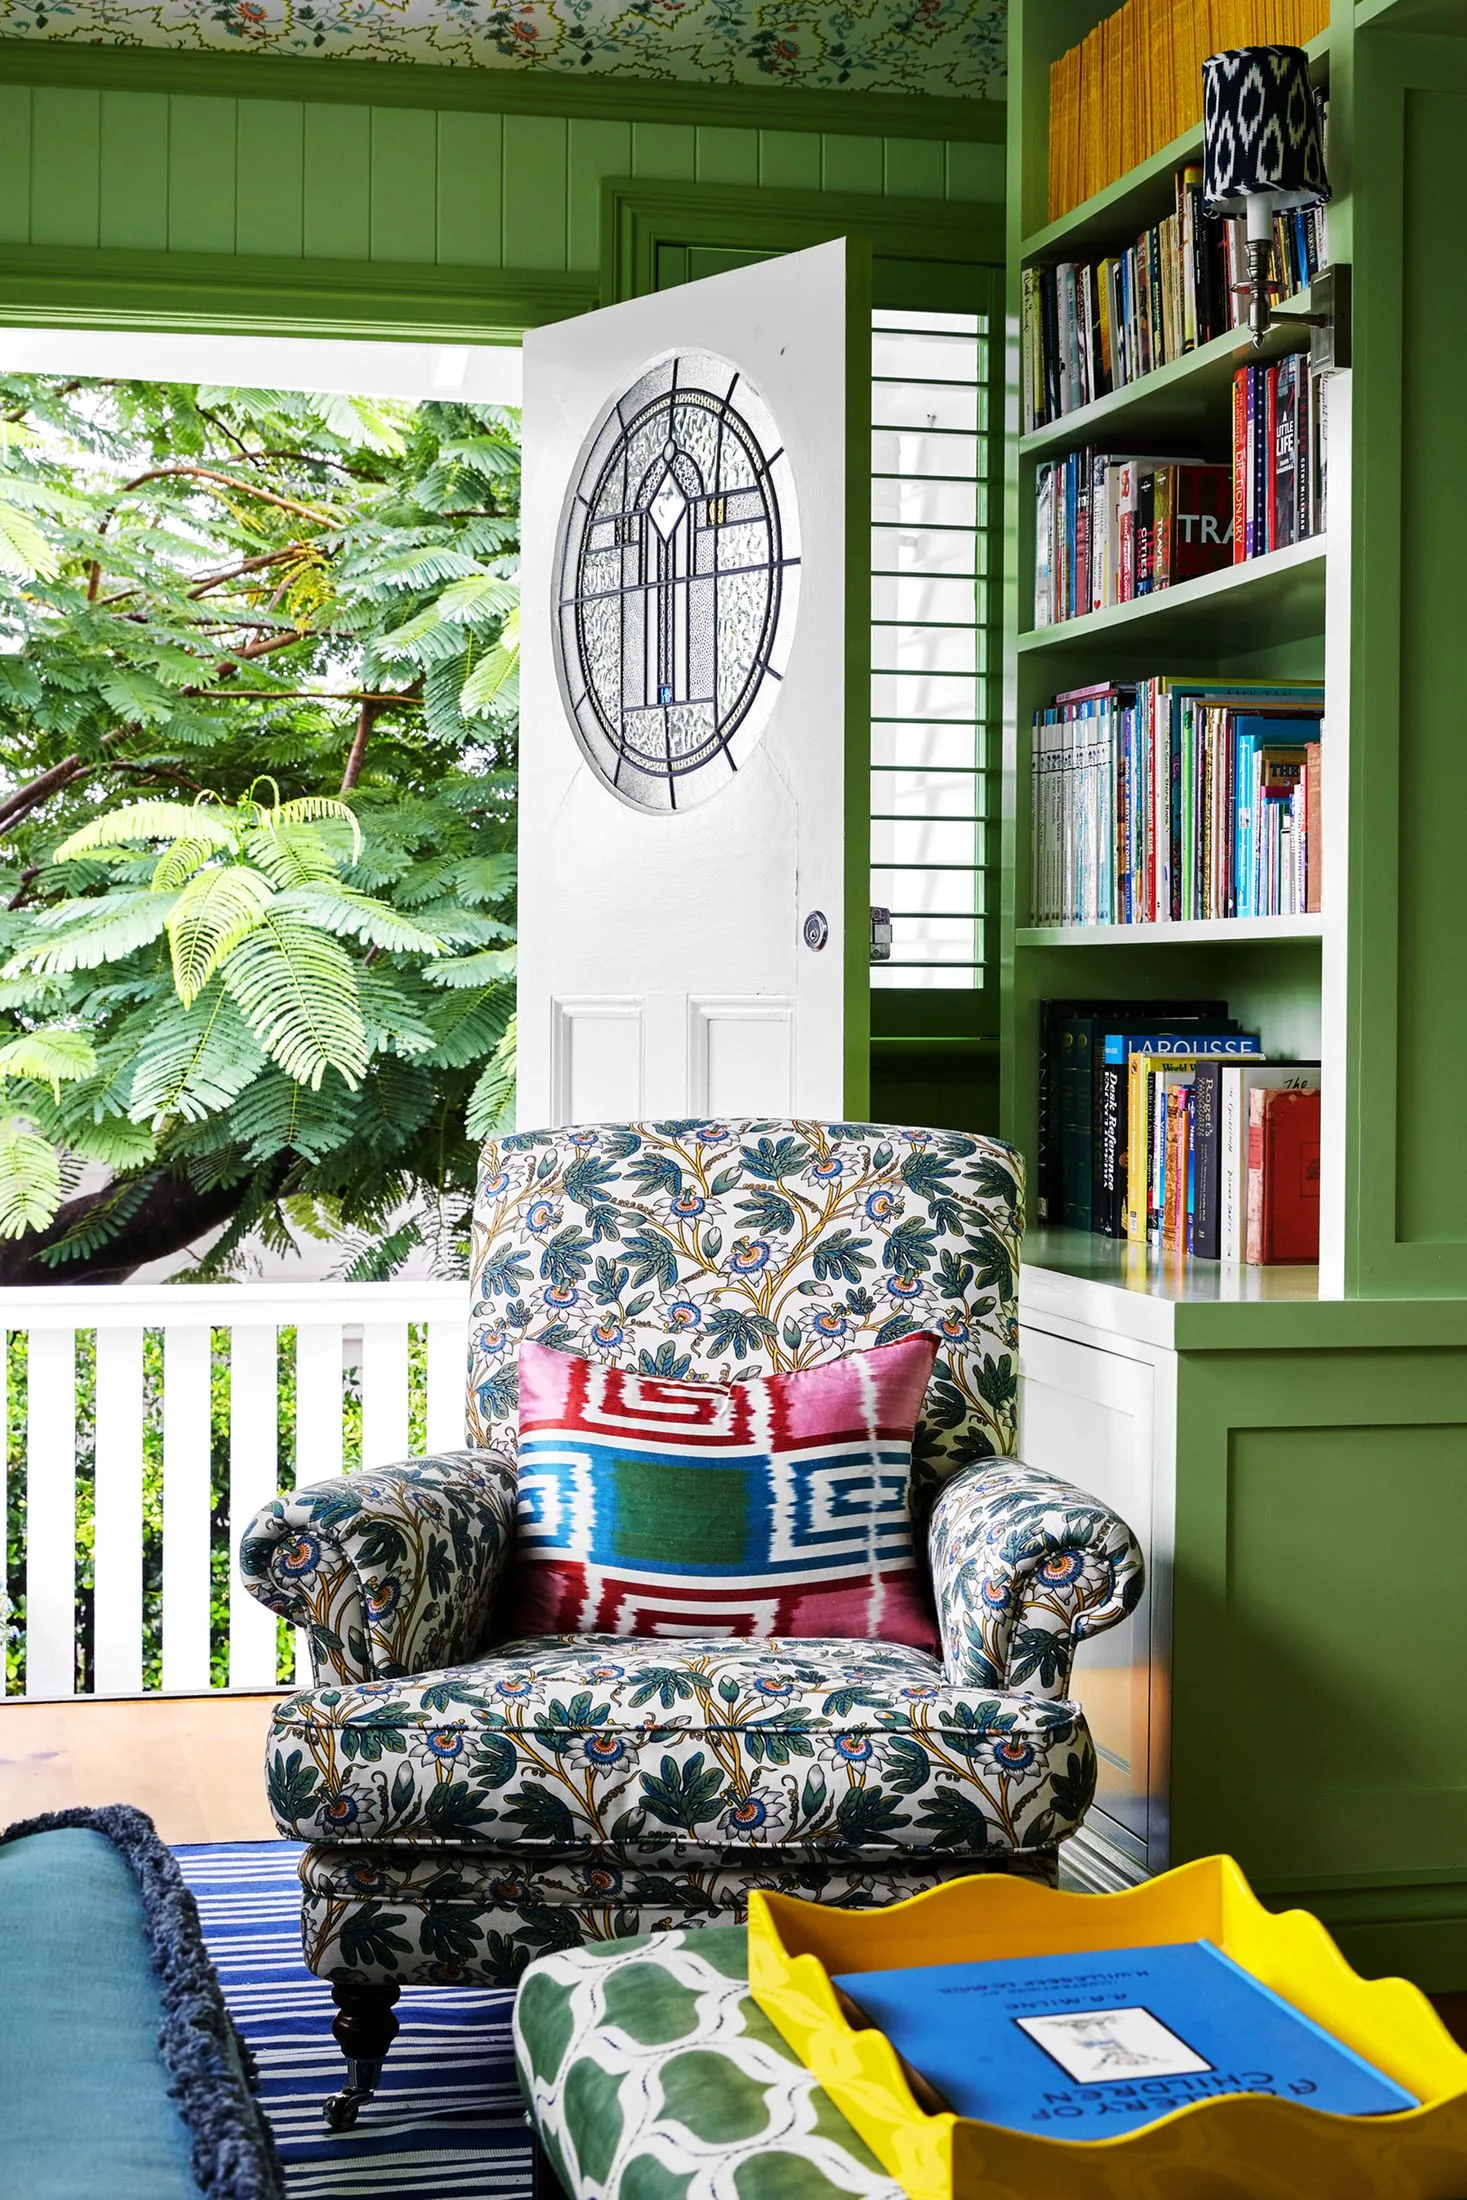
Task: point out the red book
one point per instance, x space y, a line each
1200 520
1240 465
1283 1177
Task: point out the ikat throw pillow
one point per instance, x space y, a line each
773 1507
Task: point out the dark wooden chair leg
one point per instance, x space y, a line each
364 2029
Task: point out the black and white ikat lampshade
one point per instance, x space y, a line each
1260 130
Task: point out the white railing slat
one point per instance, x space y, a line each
117 1551
50 1485
186 1508
253 1478
384 1393
50 1318
318 1395
447 1380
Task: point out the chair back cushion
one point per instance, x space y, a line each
776 1506
724 1250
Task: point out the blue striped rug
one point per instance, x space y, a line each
448 2117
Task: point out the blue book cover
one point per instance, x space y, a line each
1119 1046
1090 2046
1252 734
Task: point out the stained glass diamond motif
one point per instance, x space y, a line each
668 506
671 649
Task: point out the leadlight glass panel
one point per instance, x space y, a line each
677 582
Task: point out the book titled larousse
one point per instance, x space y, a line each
1093 2045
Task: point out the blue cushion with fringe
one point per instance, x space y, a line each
120 2073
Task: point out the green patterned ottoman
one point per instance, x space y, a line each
650 2074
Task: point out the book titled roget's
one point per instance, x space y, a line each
1090 2046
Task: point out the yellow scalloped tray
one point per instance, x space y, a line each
1239 2147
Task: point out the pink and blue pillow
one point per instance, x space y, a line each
774 1507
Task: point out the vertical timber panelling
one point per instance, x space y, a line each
133 210
405 185
471 190
203 141
535 167
270 177
65 166
337 167
340 180
1431 1186
597 150
15 164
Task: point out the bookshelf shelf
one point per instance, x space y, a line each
1134 199
1262 601
1221 931
1105 1260
1190 394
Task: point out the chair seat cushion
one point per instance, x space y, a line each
655 1747
773 1506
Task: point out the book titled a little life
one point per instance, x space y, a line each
1093 2045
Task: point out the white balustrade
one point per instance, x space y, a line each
339 1328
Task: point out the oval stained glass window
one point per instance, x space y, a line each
677 575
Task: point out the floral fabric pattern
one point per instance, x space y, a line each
649 2068
735 1249
595 1741
942 46
392 1572
473 1802
472 1916
1023 1568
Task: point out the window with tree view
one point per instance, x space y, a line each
258 656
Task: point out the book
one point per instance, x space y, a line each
1193 1038
1283 1177
1237 1085
1175 800
1161 1015
1145 1124
1092 2045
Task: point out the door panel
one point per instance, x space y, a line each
663 958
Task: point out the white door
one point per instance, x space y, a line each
694 735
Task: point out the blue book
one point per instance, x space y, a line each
1253 734
1090 2046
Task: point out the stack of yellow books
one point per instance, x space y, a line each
1135 83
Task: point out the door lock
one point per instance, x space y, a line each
817 929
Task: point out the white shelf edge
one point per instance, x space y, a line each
1172 935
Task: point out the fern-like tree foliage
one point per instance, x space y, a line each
258 695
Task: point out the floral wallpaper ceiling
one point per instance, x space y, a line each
932 46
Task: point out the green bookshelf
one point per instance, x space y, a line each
1289 1442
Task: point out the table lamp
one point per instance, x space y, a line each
1261 150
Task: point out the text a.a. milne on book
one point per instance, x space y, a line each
1283 1178
1092 2045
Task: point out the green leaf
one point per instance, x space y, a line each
25 554
152 820
193 1061
52 1058
82 935
473 970
491 1103
297 992
30 1180
216 910
350 915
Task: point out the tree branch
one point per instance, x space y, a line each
356 754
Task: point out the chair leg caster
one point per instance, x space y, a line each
364 2028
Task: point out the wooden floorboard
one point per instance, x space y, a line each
195 1764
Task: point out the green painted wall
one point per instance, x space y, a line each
132 170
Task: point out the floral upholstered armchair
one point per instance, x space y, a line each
470 1801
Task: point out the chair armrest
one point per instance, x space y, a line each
1024 1567
392 1572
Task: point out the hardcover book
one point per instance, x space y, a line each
1283 1177
1092 2045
